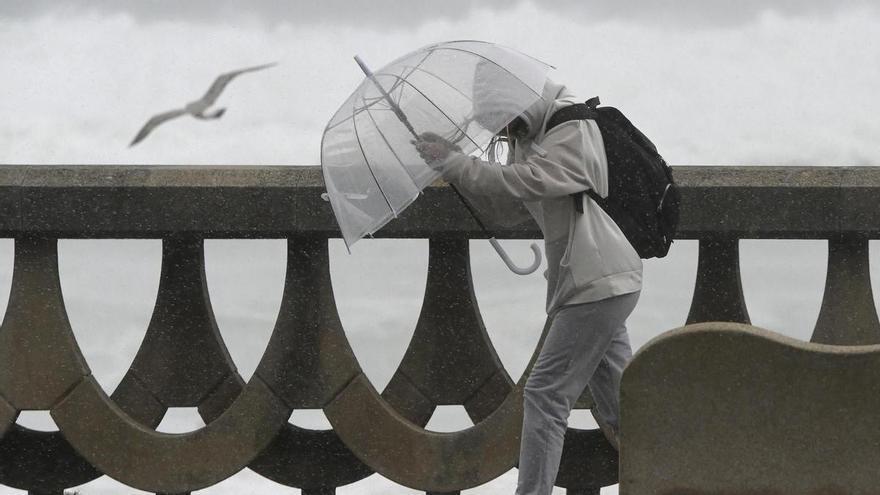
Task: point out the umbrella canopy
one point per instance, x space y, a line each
371 169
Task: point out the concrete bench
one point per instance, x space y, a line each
726 408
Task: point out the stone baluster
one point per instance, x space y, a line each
848 315
718 294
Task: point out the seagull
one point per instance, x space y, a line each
197 108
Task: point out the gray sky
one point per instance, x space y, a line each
388 13
707 96
711 82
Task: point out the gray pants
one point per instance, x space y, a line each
586 344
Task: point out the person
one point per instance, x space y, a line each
594 276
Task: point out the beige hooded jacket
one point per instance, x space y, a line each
588 257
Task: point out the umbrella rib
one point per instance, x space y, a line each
355 112
431 49
440 46
403 77
462 93
399 83
435 76
391 148
357 138
491 62
417 90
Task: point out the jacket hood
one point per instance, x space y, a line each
499 98
539 112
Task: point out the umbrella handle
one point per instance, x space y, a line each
509 262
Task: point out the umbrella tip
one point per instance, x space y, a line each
363 65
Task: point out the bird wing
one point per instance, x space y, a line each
155 121
222 80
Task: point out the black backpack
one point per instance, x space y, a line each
642 197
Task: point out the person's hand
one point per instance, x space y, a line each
433 148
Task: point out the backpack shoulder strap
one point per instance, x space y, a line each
578 111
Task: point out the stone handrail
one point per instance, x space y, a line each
153 201
308 363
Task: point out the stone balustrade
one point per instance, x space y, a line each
308 363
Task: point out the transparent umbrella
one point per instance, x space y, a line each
372 171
